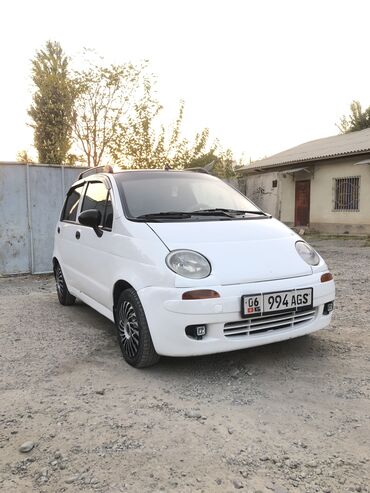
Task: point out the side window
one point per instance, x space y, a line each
95 198
108 220
98 197
71 205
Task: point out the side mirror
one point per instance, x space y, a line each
91 218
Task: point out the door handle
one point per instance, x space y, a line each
78 234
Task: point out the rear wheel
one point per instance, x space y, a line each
133 332
64 296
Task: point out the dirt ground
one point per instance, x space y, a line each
289 417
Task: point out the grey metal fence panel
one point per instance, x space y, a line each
14 231
31 198
46 199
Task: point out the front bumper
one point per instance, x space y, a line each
168 315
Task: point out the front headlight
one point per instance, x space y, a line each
307 253
187 263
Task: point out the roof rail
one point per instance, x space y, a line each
198 170
97 169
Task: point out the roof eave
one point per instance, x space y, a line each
309 161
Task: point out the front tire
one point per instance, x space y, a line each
64 296
133 332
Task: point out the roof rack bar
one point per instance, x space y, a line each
97 169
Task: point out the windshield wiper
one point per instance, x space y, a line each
226 212
168 215
230 213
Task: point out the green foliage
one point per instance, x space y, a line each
51 110
23 157
145 142
73 159
105 95
357 120
189 153
137 144
206 159
218 162
225 166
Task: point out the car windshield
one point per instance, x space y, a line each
167 195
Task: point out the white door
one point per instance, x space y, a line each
96 262
67 238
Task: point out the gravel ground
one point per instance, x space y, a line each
289 417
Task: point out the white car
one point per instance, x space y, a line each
185 265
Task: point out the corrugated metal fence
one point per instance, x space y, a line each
31 197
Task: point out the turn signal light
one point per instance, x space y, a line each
328 276
200 294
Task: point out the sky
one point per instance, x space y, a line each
262 75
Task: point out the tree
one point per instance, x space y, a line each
136 144
117 117
23 157
104 97
357 120
51 110
145 142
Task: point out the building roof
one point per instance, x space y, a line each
327 148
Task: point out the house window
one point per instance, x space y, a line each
274 183
346 193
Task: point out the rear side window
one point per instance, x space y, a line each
98 197
71 204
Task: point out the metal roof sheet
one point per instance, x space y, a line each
337 145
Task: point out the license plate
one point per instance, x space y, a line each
258 304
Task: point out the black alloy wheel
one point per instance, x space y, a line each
133 332
64 296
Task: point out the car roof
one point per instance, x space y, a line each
92 174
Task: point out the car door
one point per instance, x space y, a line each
96 262
66 238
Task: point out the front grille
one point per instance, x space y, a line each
265 323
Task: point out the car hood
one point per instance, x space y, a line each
240 251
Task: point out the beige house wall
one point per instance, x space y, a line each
280 201
322 213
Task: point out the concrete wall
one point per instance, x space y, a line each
31 198
259 188
287 198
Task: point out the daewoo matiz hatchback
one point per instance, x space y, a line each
185 265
